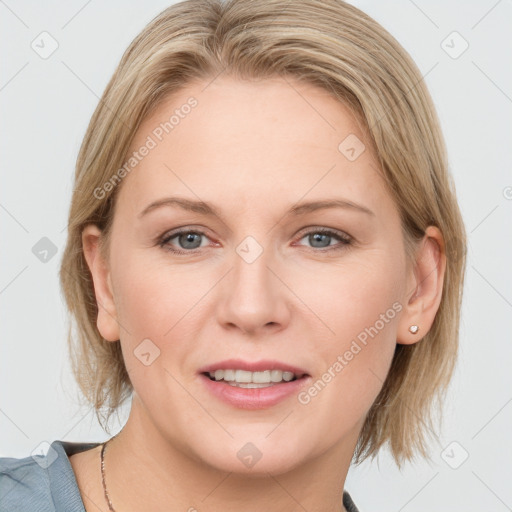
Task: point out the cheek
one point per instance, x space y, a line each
358 305
159 301
351 296
155 305
153 294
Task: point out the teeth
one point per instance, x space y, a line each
229 375
245 377
262 377
250 385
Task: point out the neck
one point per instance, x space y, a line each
144 470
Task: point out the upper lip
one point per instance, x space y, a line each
254 366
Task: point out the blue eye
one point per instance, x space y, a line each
189 241
186 238
320 238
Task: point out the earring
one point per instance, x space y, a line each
413 329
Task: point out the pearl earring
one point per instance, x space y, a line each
413 329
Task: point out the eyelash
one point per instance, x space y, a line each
345 240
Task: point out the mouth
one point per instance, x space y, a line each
257 385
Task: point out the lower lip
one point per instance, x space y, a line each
254 398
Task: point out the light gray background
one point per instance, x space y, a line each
46 105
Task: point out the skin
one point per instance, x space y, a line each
253 150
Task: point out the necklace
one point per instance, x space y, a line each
110 507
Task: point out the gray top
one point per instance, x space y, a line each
47 483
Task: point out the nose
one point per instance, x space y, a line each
254 299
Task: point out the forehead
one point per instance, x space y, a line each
252 142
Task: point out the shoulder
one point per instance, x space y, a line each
42 481
24 484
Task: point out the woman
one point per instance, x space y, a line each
266 254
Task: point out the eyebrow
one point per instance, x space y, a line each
205 208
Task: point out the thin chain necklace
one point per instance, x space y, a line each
110 507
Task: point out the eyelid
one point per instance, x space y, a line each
324 229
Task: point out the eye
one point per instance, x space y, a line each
321 238
188 241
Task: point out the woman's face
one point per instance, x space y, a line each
264 278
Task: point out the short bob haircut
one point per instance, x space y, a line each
327 43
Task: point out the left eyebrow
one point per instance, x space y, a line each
311 206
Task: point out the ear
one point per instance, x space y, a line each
424 287
107 313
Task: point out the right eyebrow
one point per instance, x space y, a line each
187 204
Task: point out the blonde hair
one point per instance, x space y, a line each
327 43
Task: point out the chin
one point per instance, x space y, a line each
255 455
